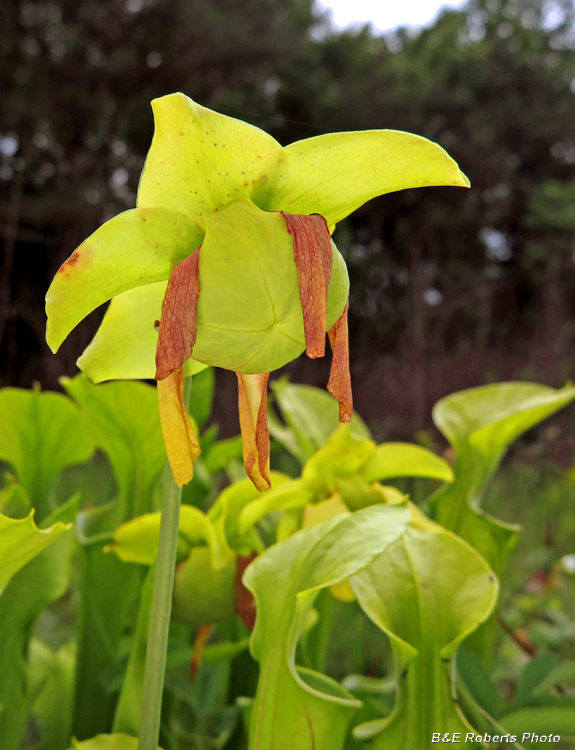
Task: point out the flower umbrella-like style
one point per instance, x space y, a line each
228 258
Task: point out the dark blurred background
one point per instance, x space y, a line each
450 288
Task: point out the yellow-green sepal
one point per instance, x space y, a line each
336 173
199 159
135 248
124 347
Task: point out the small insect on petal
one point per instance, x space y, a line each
339 384
177 332
313 259
252 403
181 443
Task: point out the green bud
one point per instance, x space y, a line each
202 594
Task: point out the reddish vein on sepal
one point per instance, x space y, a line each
313 259
245 604
252 404
202 636
178 329
339 384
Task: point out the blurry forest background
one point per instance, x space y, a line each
450 288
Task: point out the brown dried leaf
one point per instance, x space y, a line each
252 404
181 443
177 334
339 384
313 259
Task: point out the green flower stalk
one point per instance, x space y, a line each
228 261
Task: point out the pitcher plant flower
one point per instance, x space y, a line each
228 260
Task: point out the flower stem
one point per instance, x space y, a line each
161 608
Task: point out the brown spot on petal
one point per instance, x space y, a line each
339 384
177 334
252 404
182 445
313 259
81 253
72 260
245 604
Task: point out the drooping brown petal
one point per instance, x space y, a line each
339 384
252 403
245 604
181 443
177 334
313 259
204 632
